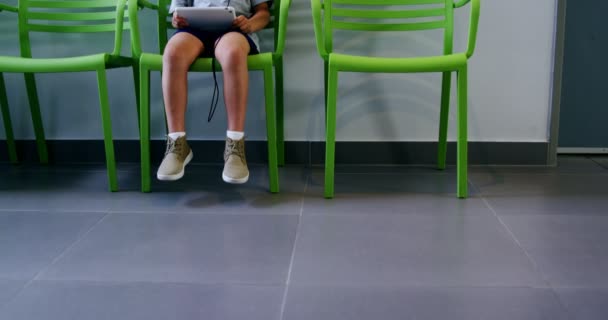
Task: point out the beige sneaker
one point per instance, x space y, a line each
235 164
177 156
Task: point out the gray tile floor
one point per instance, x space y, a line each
395 243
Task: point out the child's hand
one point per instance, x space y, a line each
178 22
243 24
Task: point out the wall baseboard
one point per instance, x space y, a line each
566 150
296 152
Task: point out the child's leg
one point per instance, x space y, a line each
180 52
231 52
182 49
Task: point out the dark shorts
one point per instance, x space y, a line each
208 38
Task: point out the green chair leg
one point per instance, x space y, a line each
330 135
443 120
30 84
106 120
136 83
279 101
461 165
325 74
271 131
144 127
8 126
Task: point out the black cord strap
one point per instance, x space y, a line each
215 98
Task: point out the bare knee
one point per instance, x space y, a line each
232 56
181 51
174 59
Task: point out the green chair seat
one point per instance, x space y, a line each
343 62
154 62
70 64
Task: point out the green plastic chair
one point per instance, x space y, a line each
264 61
6 118
367 15
58 16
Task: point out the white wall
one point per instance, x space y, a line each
510 77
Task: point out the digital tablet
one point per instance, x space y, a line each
214 18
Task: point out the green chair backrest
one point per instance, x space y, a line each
72 16
389 15
7 7
164 22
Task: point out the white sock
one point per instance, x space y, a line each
235 135
175 135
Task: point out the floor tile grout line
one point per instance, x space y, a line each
512 173
510 232
476 190
393 285
314 285
54 211
310 285
69 248
37 275
293 251
534 264
163 282
195 213
561 303
599 164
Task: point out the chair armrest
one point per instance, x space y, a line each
316 17
147 4
460 3
6 7
133 7
283 15
473 24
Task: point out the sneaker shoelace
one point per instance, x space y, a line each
173 147
235 148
